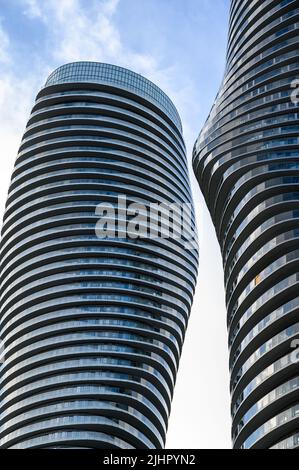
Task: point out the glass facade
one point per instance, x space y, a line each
92 327
246 161
112 74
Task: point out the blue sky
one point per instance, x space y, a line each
180 45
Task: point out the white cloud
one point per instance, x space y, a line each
75 32
4 46
14 105
82 35
16 99
32 9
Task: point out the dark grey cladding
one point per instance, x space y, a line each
247 163
93 328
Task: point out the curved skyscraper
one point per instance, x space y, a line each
247 163
93 327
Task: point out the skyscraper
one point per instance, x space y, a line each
93 327
246 162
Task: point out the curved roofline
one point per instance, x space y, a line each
100 72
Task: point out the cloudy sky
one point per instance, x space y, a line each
180 45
